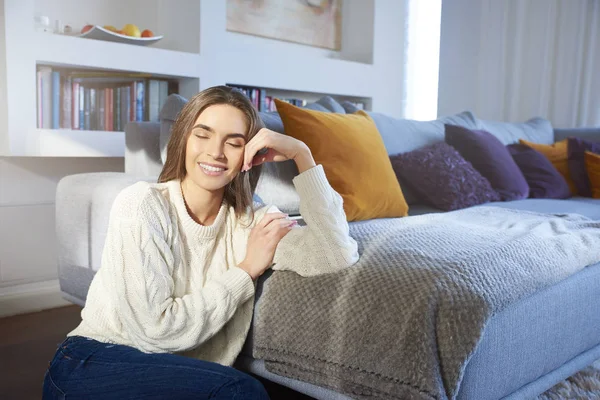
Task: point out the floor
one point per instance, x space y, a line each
28 343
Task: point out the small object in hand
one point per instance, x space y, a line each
262 151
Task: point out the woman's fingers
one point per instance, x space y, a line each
280 227
253 147
269 217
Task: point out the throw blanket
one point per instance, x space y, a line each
404 321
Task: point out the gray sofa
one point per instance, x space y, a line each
526 348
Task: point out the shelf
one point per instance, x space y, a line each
318 75
75 143
69 51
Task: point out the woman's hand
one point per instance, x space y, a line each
278 148
263 241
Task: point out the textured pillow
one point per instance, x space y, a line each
559 157
592 165
354 159
576 151
443 178
491 158
545 182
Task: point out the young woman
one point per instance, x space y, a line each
169 310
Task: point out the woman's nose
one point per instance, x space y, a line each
215 149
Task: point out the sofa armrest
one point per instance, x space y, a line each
83 204
142 153
591 134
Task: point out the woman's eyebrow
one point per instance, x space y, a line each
211 130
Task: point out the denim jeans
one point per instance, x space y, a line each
84 368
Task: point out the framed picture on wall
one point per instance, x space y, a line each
311 22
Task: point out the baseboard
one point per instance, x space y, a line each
30 297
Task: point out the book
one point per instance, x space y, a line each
140 95
153 101
46 92
40 96
101 110
75 105
56 100
93 110
81 107
66 121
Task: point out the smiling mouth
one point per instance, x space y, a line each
210 170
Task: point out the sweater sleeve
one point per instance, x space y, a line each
324 245
141 263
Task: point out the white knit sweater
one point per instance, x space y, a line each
169 284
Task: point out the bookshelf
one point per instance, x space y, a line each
262 97
196 52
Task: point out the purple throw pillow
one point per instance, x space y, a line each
442 178
576 149
491 158
544 180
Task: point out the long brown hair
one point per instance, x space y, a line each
239 192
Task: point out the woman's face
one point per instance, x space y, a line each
215 147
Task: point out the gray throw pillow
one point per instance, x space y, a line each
168 115
349 107
536 130
326 104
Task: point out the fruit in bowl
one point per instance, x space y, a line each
86 28
147 33
132 30
110 28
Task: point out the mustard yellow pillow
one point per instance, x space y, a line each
353 156
592 166
558 155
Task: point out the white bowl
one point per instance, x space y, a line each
99 33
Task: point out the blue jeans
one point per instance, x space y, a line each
84 368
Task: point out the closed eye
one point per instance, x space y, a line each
237 146
201 136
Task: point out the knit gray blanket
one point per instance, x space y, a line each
404 321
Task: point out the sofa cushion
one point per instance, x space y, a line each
349 107
443 178
559 157
326 103
537 130
491 158
592 166
545 182
354 159
576 152
403 135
